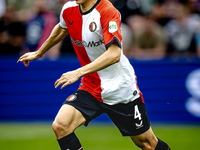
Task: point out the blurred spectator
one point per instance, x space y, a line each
20 4
181 31
23 9
142 27
39 27
149 41
131 7
143 38
2 7
127 39
12 32
194 5
160 12
198 43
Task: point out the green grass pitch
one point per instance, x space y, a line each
37 136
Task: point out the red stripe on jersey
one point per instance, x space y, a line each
74 25
142 97
91 82
109 13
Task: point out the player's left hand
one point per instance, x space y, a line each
68 78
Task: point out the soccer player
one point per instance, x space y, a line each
108 83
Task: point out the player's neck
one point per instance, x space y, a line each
88 5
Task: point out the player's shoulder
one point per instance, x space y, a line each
69 4
106 7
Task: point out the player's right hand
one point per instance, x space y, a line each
28 57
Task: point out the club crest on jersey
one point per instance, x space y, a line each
71 98
112 26
93 26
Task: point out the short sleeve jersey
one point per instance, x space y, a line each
91 33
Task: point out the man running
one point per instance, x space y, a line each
108 83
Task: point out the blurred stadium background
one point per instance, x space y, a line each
161 40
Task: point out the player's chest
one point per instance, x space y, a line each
87 27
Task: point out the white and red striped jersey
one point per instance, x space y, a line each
91 33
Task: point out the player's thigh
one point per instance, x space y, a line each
69 117
146 139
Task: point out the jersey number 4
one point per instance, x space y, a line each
137 114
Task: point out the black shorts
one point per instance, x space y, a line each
131 119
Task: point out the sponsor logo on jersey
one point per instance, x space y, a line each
138 126
93 26
71 98
77 43
89 44
93 44
112 26
70 22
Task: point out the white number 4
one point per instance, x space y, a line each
137 113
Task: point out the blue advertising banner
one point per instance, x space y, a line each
171 89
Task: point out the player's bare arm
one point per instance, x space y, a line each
55 37
111 56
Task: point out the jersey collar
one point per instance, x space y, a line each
87 12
